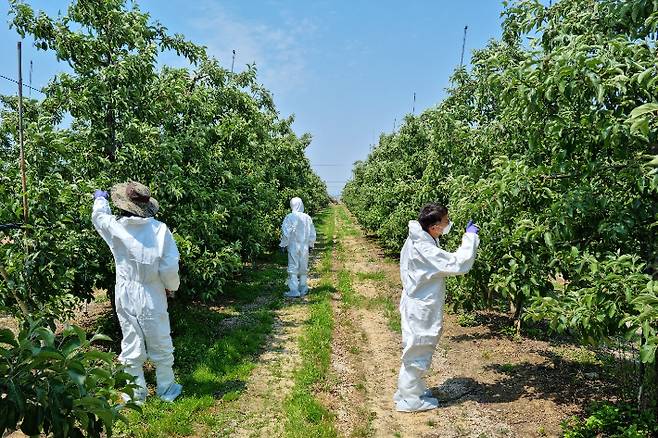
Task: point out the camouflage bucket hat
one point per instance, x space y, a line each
135 198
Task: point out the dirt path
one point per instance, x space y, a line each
490 385
258 411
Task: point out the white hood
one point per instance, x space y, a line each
417 234
296 205
297 230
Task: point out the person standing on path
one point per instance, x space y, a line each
423 268
146 260
298 236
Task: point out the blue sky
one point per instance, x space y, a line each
346 69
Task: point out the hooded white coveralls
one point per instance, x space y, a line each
423 268
146 260
298 235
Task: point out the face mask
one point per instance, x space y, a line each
446 230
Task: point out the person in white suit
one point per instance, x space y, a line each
424 267
146 260
297 236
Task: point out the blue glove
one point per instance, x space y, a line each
472 228
101 194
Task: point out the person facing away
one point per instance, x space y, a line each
297 235
423 269
146 260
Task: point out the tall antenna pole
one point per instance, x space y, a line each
461 61
30 92
233 61
413 108
20 129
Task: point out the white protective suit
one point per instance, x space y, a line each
423 268
146 260
298 235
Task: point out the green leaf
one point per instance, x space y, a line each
78 379
548 238
50 354
100 355
648 353
100 337
102 373
31 424
76 371
46 335
7 337
600 93
70 347
644 109
640 126
646 74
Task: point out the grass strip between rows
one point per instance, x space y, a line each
305 414
216 349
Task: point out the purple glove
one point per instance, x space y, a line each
472 228
101 194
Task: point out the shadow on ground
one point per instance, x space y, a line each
564 382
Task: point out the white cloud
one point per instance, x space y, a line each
277 51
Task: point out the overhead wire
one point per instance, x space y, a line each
16 82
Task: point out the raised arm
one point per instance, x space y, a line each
102 218
446 263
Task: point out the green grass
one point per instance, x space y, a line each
305 415
379 276
389 307
215 353
386 304
580 355
348 228
508 368
348 296
467 319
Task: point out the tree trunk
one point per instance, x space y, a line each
640 389
518 310
655 388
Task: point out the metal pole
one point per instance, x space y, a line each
413 108
20 130
20 302
30 87
233 61
461 61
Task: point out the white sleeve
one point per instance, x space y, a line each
404 264
446 263
168 268
287 228
312 234
103 220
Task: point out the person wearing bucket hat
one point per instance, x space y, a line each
297 235
146 260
